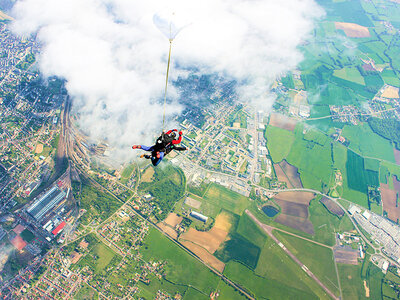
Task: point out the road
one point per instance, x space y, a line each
346 115
268 230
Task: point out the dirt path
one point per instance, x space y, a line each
268 230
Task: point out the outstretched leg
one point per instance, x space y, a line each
143 147
157 158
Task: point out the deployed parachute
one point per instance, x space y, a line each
170 24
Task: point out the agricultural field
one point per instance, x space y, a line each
285 172
367 143
275 277
359 178
317 258
181 267
390 200
314 161
205 243
248 229
221 197
279 142
350 74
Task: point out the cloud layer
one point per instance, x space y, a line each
114 58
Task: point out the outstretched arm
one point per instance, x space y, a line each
176 142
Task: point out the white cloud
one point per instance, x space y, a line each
114 58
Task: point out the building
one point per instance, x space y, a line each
59 228
45 203
385 266
199 216
354 209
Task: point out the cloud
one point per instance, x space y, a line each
114 58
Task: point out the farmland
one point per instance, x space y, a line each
279 142
358 177
181 268
317 258
289 174
221 197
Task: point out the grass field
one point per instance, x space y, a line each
358 177
366 143
274 264
148 291
27 235
313 160
99 256
350 74
220 196
127 173
86 293
249 230
351 282
339 162
239 249
371 164
326 224
191 293
227 292
317 258
265 288
279 142
182 268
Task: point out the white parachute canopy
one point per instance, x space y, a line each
170 23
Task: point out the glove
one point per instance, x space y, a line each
180 132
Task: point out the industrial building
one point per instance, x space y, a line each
199 216
45 203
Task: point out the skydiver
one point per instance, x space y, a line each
164 145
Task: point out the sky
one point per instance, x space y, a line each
114 57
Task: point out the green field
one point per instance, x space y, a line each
220 196
367 143
317 258
350 74
98 205
327 224
127 173
238 249
262 287
181 268
86 293
279 142
99 257
340 162
191 293
249 230
167 186
351 282
371 164
358 177
313 160
27 235
148 291
227 292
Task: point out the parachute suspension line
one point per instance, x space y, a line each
166 83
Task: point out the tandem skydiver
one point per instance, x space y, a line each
165 143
